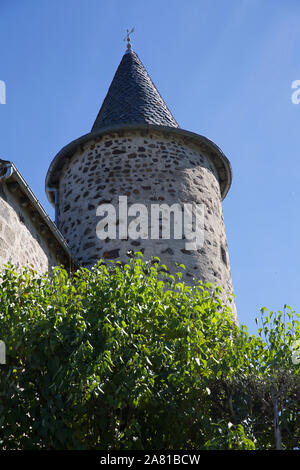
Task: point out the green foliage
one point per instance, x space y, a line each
128 357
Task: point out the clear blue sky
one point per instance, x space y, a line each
224 68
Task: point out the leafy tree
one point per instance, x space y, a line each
128 357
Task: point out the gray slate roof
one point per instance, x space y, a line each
132 98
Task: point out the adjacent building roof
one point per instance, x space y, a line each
40 219
132 98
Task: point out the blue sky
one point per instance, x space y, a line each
224 68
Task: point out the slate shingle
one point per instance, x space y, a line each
132 98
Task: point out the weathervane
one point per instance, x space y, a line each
128 39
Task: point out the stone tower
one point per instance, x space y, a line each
137 150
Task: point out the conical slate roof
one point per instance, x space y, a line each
132 98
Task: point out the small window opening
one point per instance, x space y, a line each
223 255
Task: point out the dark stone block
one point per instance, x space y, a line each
186 252
168 250
88 245
112 254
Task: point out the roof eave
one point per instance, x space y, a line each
220 161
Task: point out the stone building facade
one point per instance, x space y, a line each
27 236
137 149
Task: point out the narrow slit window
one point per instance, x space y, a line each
223 255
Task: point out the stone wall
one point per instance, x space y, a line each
20 241
149 169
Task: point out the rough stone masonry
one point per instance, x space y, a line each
137 149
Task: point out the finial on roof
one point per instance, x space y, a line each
128 39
